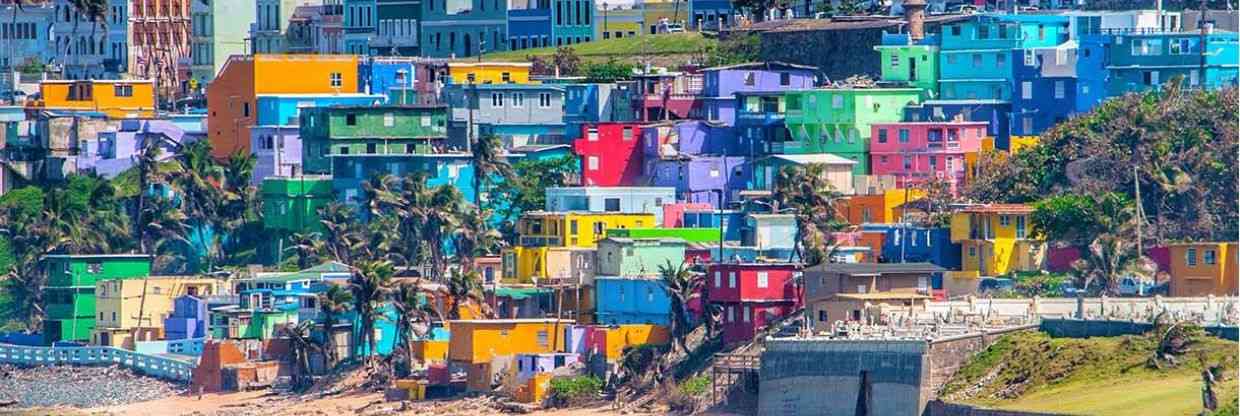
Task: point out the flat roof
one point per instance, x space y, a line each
879 296
870 269
96 81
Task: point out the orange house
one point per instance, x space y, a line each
1206 268
884 208
232 98
114 98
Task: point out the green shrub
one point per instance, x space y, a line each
695 386
576 387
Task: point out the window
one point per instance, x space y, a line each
1147 47
1059 90
951 58
895 61
1001 59
1041 32
592 134
1150 77
718 278
94 267
908 163
611 205
763 280
1020 226
1026 90
983 31
1005 221
337 80
1209 257
1193 79
837 101
350 119
497 100
1026 124
506 77
882 135
544 100
977 60
245 109
124 90
371 148
903 135
410 148
592 163
745 313
785 79
1190 256
882 159
518 100
732 280
1180 46
627 134
731 314
389 120
822 316
1031 59
955 30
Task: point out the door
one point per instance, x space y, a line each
469 47
912 69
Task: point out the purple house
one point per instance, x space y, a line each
689 137
112 152
188 319
721 83
700 178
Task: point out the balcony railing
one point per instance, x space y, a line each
539 241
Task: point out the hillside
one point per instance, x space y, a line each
666 49
1097 376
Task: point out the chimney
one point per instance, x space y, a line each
915 14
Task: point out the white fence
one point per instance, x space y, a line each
1208 310
155 366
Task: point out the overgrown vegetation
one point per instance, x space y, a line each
735 49
575 389
662 49
696 386
1034 372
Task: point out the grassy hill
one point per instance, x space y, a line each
1096 376
673 48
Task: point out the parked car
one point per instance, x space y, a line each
1133 286
962 9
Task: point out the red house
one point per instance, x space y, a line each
611 154
752 294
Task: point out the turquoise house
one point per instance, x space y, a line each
975 55
1115 63
618 256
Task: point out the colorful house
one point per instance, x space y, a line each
844 292
477 344
519 114
1115 63
1204 268
711 179
753 295
769 231
610 154
904 243
721 84
219 30
575 229
232 98
974 54
291 205
910 63
631 300
116 99
838 121
188 318
404 80
617 21
884 208
760 124
995 113
395 31
542 263
674 212
69 296
666 95
489 72
629 199
838 170
592 104
618 256
538 24
997 239
463 29
689 235
916 153
275 139
132 310
1045 87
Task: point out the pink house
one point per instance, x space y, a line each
674 213
914 152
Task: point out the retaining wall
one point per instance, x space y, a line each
1085 328
154 366
1207 310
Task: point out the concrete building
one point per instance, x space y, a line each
360 24
219 29
397 33
25 42
275 138
666 95
404 81
840 292
520 114
611 154
837 121
463 28
69 296
83 49
617 21
594 103
291 205
620 256
721 84
627 199
752 295
996 239
631 300
133 310
1204 268
546 23
269 33
159 35
918 152
115 99
839 171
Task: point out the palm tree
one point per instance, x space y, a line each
806 191
300 346
682 285
147 163
463 288
163 231
413 316
307 247
1113 254
339 230
488 162
475 237
332 303
369 285
377 193
202 199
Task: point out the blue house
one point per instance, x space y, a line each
452 169
1045 87
1118 62
463 28
975 55
710 14
594 103
188 318
733 221
543 23
995 113
361 18
912 244
275 139
760 127
402 80
519 114
631 300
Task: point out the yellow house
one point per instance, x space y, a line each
620 337
114 98
996 239
524 264
490 72
575 229
884 208
126 306
476 344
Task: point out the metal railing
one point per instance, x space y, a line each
154 366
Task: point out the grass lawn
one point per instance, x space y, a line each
1095 376
656 46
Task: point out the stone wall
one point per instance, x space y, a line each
1078 328
838 54
825 377
946 355
938 408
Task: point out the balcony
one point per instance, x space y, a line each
540 241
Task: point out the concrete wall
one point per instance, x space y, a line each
938 408
1205 310
824 377
1077 328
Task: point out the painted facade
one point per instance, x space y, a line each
463 28
594 103
69 296
666 96
114 98
916 153
547 23
540 263
715 180
396 31
838 121
628 199
1113 64
883 208
721 84
975 55
275 141
997 239
610 154
1205 268
995 113
132 310
575 229
620 256
631 300
480 341
361 19
910 64
219 30
752 295
404 81
903 243
291 205
839 171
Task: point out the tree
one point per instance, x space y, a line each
1109 259
463 288
300 347
489 164
806 192
307 247
369 285
682 285
332 303
413 316
1182 144
147 163
475 237
527 189
606 72
340 230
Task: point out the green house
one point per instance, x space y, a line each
689 235
69 297
292 205
388 130
837 121
910 65
637 256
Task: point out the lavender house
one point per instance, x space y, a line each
188 318
721 83
689 137
114 151
701 178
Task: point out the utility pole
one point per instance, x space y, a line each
1201 45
